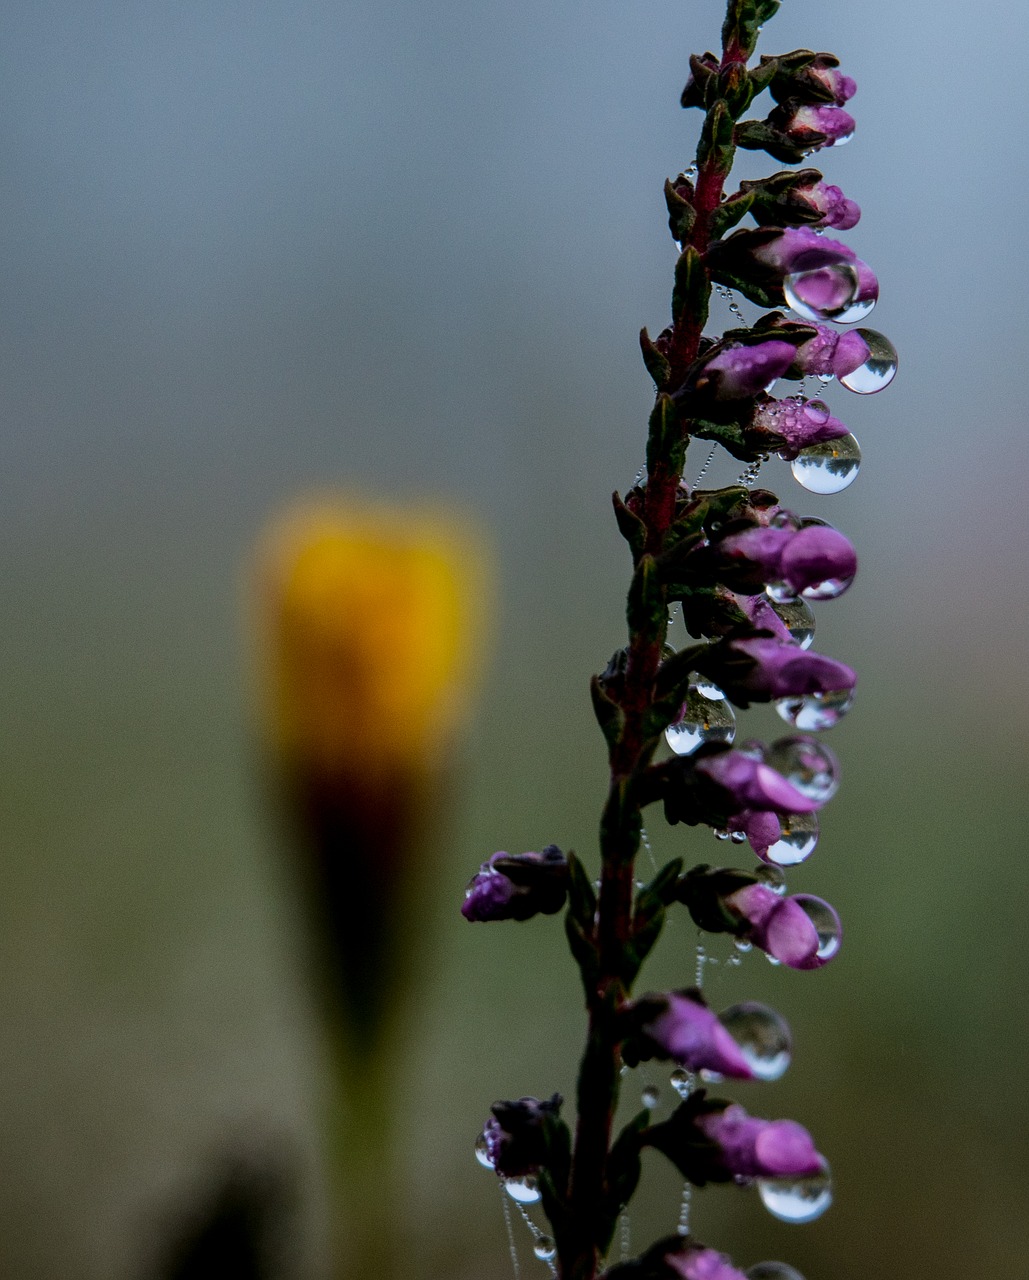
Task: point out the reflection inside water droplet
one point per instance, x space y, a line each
701 720
762 1035
797 842
814 711
650 1097
824 292
879 369
482 1152
826 922
798 619
797 1199
523 1190
828 467
544 1248
808 765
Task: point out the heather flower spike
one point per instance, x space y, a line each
742 570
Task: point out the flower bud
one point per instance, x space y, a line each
749 1147
812 127
749 784
830 354
777 670
677 1258
761 827
517 886
738 372
516 1139
836 209
791 425
681 1027
802 249
781 927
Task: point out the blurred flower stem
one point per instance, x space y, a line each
369 628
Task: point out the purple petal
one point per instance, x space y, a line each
703 1264
754 785
744 371
785 1149
789 936
816 554
488 895
691 1034
783 670
761 546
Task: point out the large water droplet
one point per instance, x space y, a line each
545 1248
825 292
879 369
826 922
828 467
773 878
772 1271
798 620
482 1152
780 593
523 1190
797 842
797 1199
762 1035
650 1097
810 767
701 720
707 688
812 711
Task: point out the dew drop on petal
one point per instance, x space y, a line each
545 1248
700 720
813 711
522 1190
797 842
797 1199
817 411
780 593
807 765
772 1271
879 369
826 922
825 292
797 618
482 1152
763 1038
828 467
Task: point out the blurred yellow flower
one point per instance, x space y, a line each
372 633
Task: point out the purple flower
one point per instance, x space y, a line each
515 1134
815 126
694 1262
752 784
799 424
840 86
815 554
754 1148
798 249
782 928
837 211
784 670
760 545
761 827
688 1032
738 372
830 353
517 886
762 617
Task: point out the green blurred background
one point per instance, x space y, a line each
250 250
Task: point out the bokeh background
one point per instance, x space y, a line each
247 251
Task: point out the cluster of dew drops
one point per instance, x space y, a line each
706 716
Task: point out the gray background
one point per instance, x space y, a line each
404 249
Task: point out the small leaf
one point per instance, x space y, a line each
673 674
647 606
692 292
582 898
728 214
657 365
609 714
717 145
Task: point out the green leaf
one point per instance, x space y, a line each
657 365
728 214
744 20
717 145
759 135
692 292
673 674
681 213
630 526
609 714
582 898
647 606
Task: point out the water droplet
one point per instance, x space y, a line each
742 945
826 922
809 766
650 1097
772 1271
784 520
707 688
700 720
780 593
668 651
813 711
798 620
763 1038
544 1248
797 842
817 411
738 837
797 1199
721 833
752 748
522 1190
824 292
482 1152
879 369
828 467
682 1082
773 878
